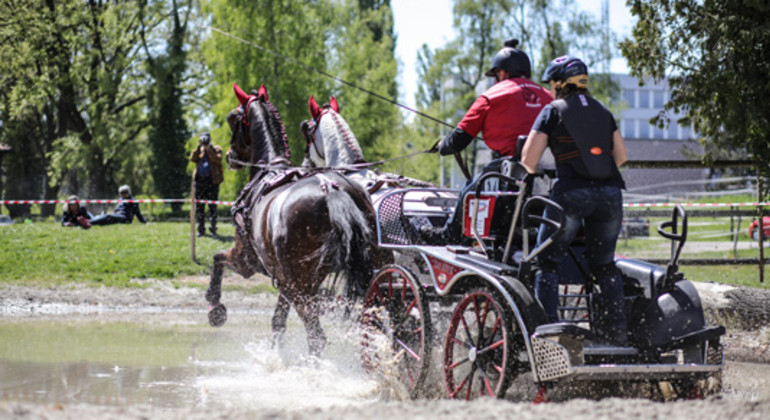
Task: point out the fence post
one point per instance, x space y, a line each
192 220
761 210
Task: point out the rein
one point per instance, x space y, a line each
458 156
352 167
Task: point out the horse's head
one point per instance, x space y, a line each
329 140
258 134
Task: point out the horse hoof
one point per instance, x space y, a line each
217 315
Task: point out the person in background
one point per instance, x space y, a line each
502 113
75 214
124 212
208 175
585 140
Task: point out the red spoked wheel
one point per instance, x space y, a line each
479 347
395 307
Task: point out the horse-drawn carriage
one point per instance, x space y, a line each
497 329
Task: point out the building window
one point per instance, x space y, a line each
686 132
644 99
658 99
628 129
644 129
630 96
673 131
658 133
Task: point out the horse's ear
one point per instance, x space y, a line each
315 110
263 92
334 105
242 96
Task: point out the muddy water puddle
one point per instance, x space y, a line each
175 360
172 360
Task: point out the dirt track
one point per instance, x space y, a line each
746 386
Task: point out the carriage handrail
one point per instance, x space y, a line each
519 200
677 243
559 225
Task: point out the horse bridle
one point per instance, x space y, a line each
310 140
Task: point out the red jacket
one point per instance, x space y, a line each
505 111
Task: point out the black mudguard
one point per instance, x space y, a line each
654 323
530 308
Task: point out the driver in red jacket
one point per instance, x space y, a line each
502 113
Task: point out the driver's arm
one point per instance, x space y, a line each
618 148
534 148
454 142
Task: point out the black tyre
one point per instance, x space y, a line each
479 347
395 306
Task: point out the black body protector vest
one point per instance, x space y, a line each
588 122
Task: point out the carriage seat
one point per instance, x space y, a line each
645 273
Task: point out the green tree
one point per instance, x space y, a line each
362 34
70 75
715 55
293 28
545 29
168 127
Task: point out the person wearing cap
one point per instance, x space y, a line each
75 214
588 148
124 211
502 113
208 175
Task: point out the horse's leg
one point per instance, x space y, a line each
279 318
217 311
308 312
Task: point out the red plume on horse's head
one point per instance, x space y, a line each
334 105
315 110
242 96
262 92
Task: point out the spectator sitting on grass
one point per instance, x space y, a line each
124 212
75 214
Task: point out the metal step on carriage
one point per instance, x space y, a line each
497 329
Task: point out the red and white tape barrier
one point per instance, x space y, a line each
231 203
113 201
696 204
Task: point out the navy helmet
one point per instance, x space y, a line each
567 70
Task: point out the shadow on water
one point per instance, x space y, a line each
176 361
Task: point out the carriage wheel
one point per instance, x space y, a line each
395 306
479 345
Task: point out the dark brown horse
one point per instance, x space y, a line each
292 227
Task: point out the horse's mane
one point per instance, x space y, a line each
340 144
269 121
276 126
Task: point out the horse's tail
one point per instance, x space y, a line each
349 247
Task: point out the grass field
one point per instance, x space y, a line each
45 253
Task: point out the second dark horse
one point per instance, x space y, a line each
295 231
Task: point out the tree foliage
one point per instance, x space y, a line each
716 57
165 98
350 39
74 92
362 37
452 76
293 28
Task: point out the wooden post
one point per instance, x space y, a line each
192 220
761 196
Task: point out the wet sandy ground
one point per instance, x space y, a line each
75 353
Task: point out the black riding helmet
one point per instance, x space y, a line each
568 70
511 59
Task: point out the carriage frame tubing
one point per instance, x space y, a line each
508 284
470 276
